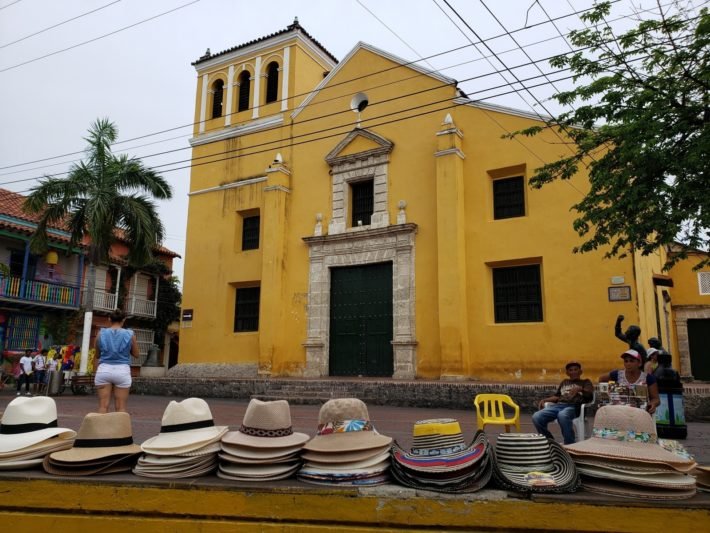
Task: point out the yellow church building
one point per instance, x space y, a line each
365 218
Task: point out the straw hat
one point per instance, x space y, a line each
624 432
344 426
100 436
635 492
29 421
185 425
266 425
254 454
666 481
525 469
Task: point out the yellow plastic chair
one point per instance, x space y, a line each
494 412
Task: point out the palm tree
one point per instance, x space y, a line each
101 194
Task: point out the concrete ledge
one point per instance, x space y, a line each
115 503
417 393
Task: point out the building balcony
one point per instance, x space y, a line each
103 301
47 293
135 306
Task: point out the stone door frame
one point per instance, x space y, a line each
391 244
682 313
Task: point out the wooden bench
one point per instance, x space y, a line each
82 384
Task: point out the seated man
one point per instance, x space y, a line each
571 393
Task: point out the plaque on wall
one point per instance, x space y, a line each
620 293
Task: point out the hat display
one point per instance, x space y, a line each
187 445
347 450
104 444
265 447
29 426
186 426
529 462
702 477
440 460
624 458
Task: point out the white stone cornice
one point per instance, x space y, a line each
252 126
248 52
242 183
277 188
501 109
450 151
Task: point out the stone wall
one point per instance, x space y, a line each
454 395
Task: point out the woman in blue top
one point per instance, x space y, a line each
114 348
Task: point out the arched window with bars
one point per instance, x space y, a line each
217 98
244 91
272 82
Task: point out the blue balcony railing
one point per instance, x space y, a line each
42 292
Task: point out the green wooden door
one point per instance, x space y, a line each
699 345
361 320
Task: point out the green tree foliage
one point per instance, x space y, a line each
640 126
101 193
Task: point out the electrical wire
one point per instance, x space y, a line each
58 24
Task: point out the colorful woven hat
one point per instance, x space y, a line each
28 422
266 425
525 467
344 426
627 433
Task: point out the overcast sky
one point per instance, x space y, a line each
141 77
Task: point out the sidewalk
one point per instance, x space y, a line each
396 422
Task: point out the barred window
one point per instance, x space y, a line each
704 282
244 91
250 233
246 309
217 98
517 294
509 198
363 202
272 82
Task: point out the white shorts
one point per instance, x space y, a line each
117 375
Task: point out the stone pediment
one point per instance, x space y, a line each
359 144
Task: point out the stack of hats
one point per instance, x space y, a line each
530 462
702 477
347 450
29 432
104 445
187 445
265 448
440 460
624 458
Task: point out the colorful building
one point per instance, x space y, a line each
366 218
39 291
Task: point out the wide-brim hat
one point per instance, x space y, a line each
668 481
38 450
178 474
28 421
559 474
624 432
255 454
345 457
623 465
258 471
233 477
198 448
443 462
635 492
344 426
266 425
21 464
461 481
109 465
184 425
101 435
268 461
365 463
523 452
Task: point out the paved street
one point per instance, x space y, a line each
146 412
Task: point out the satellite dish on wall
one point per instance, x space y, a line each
359 102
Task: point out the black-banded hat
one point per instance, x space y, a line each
28 422
101 435
185 426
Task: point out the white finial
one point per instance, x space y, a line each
318 230
402 216
448 120
278 159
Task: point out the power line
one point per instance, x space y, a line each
99 37
406 64
10 4
347 125
58 24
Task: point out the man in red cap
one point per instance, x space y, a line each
565 403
